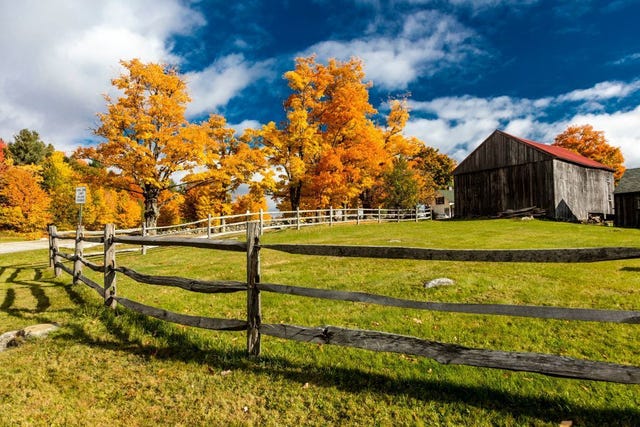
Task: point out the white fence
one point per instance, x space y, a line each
233 224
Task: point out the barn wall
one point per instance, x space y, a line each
580 191
489 192
499 151
627 212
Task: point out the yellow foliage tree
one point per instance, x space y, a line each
230 162
147 135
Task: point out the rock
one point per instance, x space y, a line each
441 281
16 338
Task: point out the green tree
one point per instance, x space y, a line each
438 165
28 149
402 189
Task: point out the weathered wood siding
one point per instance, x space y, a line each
499 151
488 192
627 212
580 191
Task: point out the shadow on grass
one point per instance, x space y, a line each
125 325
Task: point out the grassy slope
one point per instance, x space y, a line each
129 370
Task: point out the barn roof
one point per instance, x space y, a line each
562 153
630 182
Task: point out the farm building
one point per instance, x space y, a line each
510 173
627 199
443 204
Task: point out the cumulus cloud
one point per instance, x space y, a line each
218 83
457 125
61 56
426 43
601 91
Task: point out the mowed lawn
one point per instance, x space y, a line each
118 368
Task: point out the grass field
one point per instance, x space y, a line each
119 368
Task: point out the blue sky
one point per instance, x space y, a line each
529 67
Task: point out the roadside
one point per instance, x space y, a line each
32 245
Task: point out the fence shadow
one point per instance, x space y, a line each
351 380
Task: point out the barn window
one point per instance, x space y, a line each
440 200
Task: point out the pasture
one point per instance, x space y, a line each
121 368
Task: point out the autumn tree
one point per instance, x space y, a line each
592 144
3 160
328 150
437 165
28 149
229 162
147 135
24 204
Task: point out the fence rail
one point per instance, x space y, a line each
365 339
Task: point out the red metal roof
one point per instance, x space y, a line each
562 153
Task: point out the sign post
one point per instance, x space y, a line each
81 198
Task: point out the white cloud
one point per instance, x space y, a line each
218 83
457 125
601 91
427 43
621 130
61 56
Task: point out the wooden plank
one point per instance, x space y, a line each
254 309
92 285
68 257
225 245
546 364
541 312
183 319
480 255
92 266
63 267
93 239
203 286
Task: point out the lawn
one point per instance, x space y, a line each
120 368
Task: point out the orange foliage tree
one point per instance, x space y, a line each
229 163
24 205
592 144
147 135
328 150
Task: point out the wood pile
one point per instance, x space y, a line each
518 213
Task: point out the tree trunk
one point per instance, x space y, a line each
151 209
294 195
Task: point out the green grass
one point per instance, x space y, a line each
120 368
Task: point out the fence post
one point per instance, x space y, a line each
143 248
416 213
297 218
79 252
379 215
261 221
331 216
223 225
254 309
109 266
357 216
55 258
208 226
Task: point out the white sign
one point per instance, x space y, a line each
81 195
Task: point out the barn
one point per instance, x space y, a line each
506 172
627 199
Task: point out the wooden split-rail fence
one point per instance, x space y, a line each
365 339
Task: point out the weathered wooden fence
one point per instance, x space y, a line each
366 339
